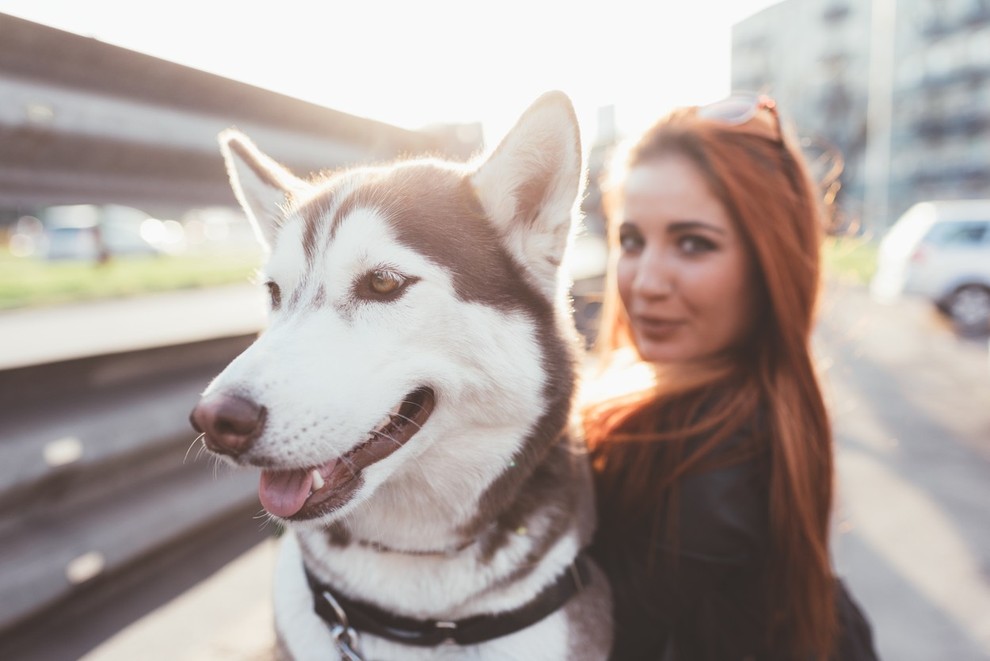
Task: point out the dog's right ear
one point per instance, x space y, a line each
530 186
262 186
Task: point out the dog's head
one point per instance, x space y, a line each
418 336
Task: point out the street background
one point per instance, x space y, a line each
910 404
118 226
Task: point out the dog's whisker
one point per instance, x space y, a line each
412 403
350 465
266 519
398 444
216 466
408 402
389 437
416 461
409 420
419 466
189 449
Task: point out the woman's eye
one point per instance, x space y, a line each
630 241
695 244
274 294
385 282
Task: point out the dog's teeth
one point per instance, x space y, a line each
317 480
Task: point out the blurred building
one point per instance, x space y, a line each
930 80
86 122
813 56
941 118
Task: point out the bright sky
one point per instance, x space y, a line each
419 62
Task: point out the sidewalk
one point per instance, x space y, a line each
41 335
227 617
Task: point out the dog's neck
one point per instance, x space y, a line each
342 537
545 522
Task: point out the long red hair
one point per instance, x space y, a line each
764 184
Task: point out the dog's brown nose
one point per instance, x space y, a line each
229 424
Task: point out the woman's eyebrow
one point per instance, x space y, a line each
687 225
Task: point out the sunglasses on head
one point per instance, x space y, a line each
739 108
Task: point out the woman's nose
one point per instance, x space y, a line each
655 276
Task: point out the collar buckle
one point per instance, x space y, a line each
345 637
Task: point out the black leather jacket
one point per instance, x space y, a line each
698 596
702 597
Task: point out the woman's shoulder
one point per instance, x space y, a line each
723 504
724 430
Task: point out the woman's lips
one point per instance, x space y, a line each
657 328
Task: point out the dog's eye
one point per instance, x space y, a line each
384 282
382 285
275 294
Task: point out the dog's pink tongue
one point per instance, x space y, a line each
283 493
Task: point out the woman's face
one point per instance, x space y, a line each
685 275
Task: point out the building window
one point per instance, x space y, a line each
978 12
835 12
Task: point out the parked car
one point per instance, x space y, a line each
940 250
87 232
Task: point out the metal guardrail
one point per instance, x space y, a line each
95 479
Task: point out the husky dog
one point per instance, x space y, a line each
409 404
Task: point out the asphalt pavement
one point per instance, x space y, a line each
910 404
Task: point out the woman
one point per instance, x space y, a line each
714 476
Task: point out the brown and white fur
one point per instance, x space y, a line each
441 285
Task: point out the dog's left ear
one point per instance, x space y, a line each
529 186
262 186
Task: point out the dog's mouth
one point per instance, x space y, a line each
306 493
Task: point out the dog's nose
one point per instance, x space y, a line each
229 424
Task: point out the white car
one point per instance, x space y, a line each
940 250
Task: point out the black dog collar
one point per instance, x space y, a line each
369 619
